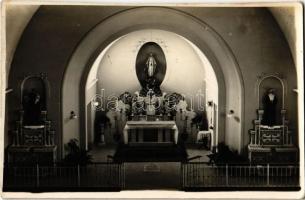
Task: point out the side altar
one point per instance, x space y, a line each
33 139
271 140
272 144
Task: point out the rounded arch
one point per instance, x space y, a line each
44 84
231 89
260 81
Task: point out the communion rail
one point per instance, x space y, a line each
111 177
93 176
201 176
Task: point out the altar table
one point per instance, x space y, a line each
150 125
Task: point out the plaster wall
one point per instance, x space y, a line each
17 18
286 18
260 48
222 60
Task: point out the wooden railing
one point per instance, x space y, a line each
93 176
199 175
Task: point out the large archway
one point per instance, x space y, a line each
114 72
231 92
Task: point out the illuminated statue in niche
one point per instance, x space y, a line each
151 82
151 65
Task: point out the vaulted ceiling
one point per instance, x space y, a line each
18 16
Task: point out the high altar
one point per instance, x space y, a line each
144 125
150 116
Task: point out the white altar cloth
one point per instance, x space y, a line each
150 124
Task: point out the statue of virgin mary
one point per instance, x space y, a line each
151 65
151 82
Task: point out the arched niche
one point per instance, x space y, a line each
184 61
231 87
36 84
277 84
150 50
34 94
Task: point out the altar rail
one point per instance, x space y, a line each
93 176
200 176
111 177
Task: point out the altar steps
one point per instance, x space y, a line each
150 153
151 144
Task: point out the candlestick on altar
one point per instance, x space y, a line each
204 93
103 103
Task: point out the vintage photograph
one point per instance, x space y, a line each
112 98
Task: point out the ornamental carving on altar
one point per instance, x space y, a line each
271 140
33 140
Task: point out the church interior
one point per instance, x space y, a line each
112 98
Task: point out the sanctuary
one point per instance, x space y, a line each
108 98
